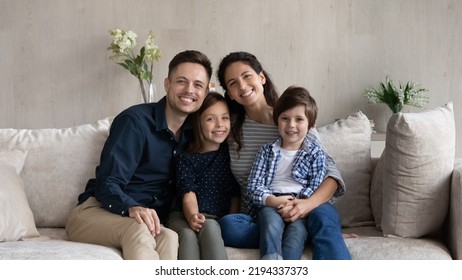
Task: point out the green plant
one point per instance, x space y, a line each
139 65
397 96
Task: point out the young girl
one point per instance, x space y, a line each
206 187
288 168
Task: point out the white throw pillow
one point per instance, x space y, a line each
418 163
348 142
59 163
16 218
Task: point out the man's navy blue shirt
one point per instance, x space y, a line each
137 162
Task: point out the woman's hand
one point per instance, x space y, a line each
300 208
277 201
196 221
296 209
146 216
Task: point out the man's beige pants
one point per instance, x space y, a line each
90 223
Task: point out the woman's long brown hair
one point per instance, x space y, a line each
237 110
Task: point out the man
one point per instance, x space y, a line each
127 202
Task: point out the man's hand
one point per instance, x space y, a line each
196 221
146 216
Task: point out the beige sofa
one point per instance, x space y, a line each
42 171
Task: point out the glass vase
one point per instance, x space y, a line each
148 92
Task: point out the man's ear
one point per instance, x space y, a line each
166 85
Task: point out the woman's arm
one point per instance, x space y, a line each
331 167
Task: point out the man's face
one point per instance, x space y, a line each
186 88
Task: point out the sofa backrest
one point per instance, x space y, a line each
58 165
348 142
60 162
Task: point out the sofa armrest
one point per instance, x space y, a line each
455 212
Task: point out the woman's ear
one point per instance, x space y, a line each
262 78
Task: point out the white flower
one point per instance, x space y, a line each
122 47
152 51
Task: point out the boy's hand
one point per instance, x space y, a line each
278 201
296 209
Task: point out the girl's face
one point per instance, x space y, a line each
293 127
215 126
245 86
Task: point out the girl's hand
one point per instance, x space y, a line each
196 221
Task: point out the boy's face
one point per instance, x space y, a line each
186 88
293 127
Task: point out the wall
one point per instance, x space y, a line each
55 71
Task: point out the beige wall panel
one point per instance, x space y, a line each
55 71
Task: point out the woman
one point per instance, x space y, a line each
251 95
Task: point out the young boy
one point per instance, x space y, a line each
289 168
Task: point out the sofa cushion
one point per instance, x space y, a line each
58 165
56 250
16 218
418 164
375 247
348 142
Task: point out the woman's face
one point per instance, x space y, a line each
245 86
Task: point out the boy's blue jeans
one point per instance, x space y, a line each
278 239
323 225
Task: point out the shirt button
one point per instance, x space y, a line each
174 152
110 205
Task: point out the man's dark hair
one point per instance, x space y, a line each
191 56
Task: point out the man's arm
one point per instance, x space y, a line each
119 161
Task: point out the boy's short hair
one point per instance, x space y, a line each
294 96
